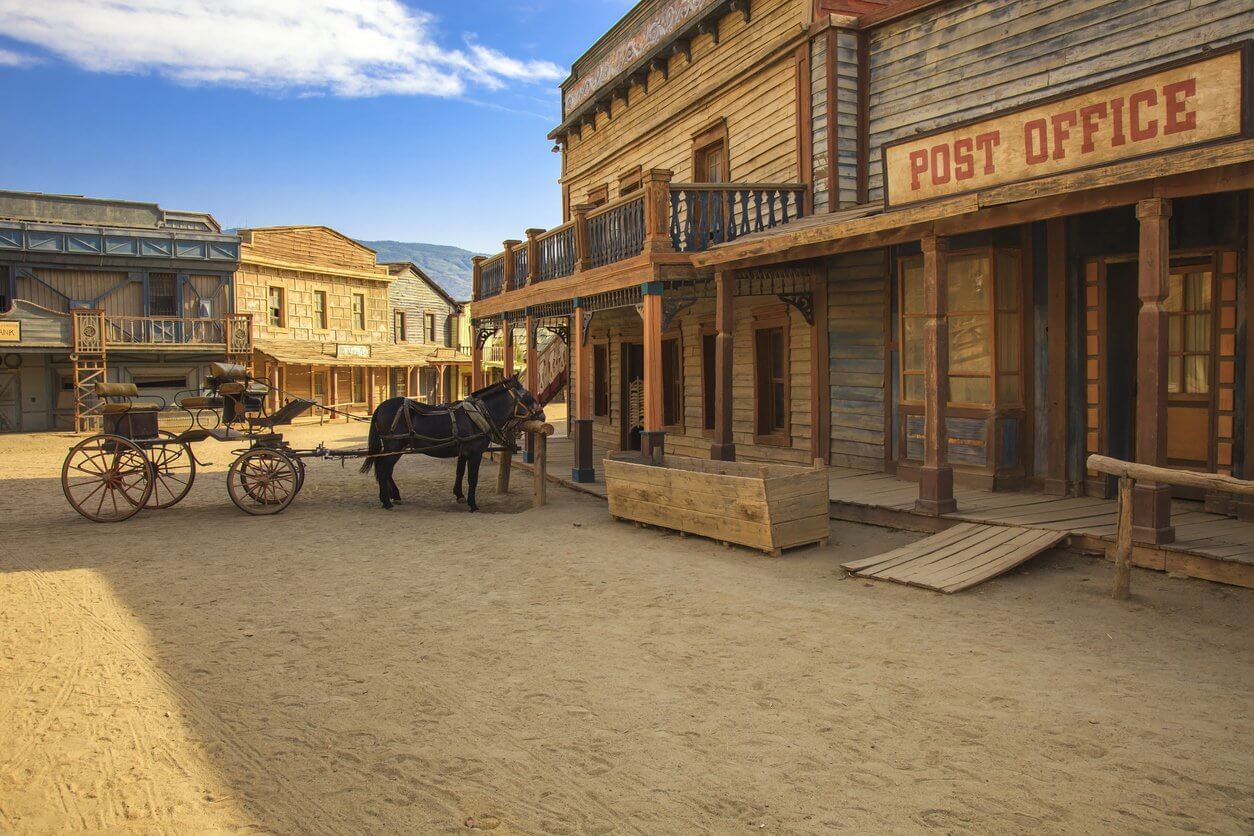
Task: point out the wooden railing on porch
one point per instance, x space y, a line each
165 330
1129 473
660 217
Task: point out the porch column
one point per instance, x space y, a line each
507 350
1056 356
723 449
439 384
532 382
1151 502
820 372
936 477
652 439
581 380
333 387
476 360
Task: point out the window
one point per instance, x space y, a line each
629 181
455 331
601 380
277 315
320 309
359 311
1188 307
431 328
672 384
599 196
359 385
770 379
984 298
709 352
398 326
709 155
162 296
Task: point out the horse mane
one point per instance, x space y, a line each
493 387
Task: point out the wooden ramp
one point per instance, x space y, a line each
958 558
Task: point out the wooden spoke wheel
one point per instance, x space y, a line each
107 478
173 470
300 473
263 481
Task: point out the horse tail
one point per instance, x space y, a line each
375 446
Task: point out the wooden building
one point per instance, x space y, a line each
322 316
94 290
424 314
958 241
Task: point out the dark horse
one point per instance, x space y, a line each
464 430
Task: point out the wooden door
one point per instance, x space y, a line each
10 403
1191 365
631 395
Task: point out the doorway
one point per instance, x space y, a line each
1122 308
10 403
631 395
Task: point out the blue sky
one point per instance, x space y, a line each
413 120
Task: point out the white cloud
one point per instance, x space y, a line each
9 58
340 47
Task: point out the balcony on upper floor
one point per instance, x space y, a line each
649 234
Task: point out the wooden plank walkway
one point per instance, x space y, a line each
1207 545
958 558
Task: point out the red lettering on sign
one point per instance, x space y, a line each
1179 119
1117 137
1034 132
964 160
986 142
1061 133
1088 124
940 159
918 165
1149 129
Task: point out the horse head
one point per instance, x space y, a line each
509 404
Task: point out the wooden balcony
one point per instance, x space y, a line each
95 332
650 234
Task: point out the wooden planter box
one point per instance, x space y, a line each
768 507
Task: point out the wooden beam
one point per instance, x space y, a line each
820 371
723 448
652 440
581 379
936 477
1056 356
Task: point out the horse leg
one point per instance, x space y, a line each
475 459
396 492
383 473
457 486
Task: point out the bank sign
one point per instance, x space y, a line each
1169 108
11 331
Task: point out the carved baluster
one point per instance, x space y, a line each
676 230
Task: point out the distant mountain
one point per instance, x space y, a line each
448 266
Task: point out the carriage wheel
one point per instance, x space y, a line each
173 470
263 481
107 478
300 473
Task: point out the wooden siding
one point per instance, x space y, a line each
857 315
311 245
748 79
846 118
819 122
252 286
409 293
968 59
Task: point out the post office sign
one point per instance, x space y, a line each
1196 102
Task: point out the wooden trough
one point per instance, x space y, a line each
768 507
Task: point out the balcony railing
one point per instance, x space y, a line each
706 214
661 217
94 332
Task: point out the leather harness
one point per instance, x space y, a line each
472 408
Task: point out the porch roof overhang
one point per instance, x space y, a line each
1217 168
295 352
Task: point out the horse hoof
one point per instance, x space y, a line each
387 507
474 508
460 499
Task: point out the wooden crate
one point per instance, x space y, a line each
768 507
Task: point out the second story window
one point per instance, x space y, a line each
709 155
162 296
359 311
320 309
276 315
431 328
599 196
629 181
398 326
455 332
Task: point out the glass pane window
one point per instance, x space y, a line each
970 285
770 383
1189 331
359 311
970 340
275 308
320 309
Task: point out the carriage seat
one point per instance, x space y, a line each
228 371
201 402
254 388
123 392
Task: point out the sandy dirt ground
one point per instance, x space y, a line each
340 668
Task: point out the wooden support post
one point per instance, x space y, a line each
1151 501
656 183
370 399
820 372
723 448
531 379
1245 507
936 477
476 361
276 394
507 350
333 386
583 471
533 256
503 469
540 471
1122 554
507 266
652 439
476 269
1056 357
583 243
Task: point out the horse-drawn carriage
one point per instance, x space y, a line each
134 464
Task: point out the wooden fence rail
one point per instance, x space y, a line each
1129 473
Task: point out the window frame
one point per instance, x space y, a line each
769 320
715 134
429 327
601 387
359 315
271 307
630 181
1185 268
598 195
400 327
321 313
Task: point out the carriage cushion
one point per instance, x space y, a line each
116 390
200 402
257 389
122 408
228 371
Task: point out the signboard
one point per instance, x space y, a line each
352 350
1166 109
11 332
634 46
